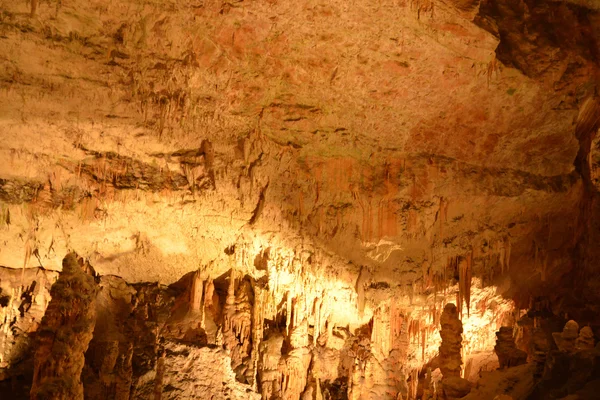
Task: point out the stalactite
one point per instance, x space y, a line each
363 276
501 255
196 292
442 216
317 319
464 286
544 266
507 251
208 303
260 295
288 311
423 343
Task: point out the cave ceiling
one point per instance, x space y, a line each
378 140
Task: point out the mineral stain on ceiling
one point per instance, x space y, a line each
278 199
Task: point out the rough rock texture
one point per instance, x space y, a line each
585 341
517 383
569 373
393 141
303 185
24 297
65 333
565 340
450 360
190 373
540 345
508 354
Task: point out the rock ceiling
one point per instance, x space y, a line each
392 135
363 146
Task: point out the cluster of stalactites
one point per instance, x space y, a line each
386 333
379 364
237 326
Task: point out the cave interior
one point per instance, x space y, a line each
300 200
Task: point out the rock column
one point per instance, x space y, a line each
506 350
449 361
65 333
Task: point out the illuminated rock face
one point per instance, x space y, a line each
449 360
291 192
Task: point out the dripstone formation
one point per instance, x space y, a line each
299 200
450 358
65 334
508 354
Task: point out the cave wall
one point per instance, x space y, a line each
358 165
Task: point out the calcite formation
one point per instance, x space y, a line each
586 340
65 334
506 349
450 360
565 340
279 199
539 347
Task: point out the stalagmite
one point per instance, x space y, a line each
65 334
270 375
508 354
197 292
585 341
294 366
451 331
566 339
237 328
539 349
257 330
449 359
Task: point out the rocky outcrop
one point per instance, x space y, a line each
506 349
65 334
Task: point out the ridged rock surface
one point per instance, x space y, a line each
65 334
